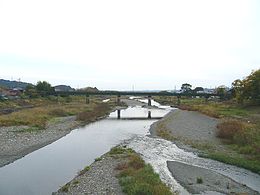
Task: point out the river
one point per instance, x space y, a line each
47 169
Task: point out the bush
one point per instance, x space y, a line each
228 129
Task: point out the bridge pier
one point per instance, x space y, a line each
118 114
87 99
149 115
149 101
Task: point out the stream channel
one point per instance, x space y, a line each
47 169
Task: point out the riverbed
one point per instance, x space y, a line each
47 169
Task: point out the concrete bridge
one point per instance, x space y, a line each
134 93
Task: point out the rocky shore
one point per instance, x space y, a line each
97 179
17 141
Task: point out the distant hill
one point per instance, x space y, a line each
12 84
89 89
63 88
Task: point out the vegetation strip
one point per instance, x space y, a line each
133 174
136 177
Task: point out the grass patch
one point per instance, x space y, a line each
47 109
138 178
75 182
98 159
29 130
199 180
120 150
86 169
65 188
98 110
249 164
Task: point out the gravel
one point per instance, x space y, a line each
198 180
99 179
15 142
189 127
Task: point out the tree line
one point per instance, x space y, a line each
245 90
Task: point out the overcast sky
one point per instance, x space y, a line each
125 44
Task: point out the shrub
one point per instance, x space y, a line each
228 129
199 180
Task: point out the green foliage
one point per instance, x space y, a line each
65 188
86 169
31 91
199 180
248 88
186 87
120 150
249 164
139 178
222 92
42 88
98 159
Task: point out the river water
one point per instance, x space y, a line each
47 169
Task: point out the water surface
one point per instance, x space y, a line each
47 169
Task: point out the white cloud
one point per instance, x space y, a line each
117 41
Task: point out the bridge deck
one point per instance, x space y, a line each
123 93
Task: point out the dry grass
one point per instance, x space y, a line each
229 128
47 109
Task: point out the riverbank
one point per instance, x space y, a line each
196 132
20 140
120 171
98 178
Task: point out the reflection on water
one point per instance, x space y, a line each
140 112
50 167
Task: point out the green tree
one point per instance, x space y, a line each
222 92
237 90
186 87
248 88
31 91
44 88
